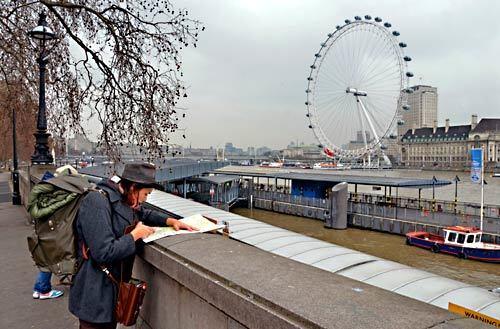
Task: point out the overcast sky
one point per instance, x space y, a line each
247 76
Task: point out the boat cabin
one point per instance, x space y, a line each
464 236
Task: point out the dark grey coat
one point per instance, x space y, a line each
100 224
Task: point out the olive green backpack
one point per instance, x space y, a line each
53 206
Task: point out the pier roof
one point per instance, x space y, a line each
350 179
168 170
219 179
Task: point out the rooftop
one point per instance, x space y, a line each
453 133
487 125
218 179
350 179
168 169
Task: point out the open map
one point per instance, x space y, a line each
198 221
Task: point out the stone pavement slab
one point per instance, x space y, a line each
18 309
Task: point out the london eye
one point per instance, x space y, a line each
357 88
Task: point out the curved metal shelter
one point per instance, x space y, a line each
411 282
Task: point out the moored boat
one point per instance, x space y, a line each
464 242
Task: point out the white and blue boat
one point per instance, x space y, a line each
461 241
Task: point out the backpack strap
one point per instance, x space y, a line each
86 250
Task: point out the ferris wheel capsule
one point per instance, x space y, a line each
329 153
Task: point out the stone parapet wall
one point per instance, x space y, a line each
208 281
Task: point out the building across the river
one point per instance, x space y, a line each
449 146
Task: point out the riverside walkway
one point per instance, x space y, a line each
18 309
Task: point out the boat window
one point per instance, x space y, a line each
478 237
452 236
461 238
470 238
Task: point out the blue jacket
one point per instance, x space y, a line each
101 223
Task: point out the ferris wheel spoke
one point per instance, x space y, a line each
343 127
367 46
331 122
332 115
373 47
375 55
380 66
337 81
357 58
382 76
321 104
347 52
377 119
325 111
333 76
376 66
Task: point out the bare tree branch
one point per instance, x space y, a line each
127 70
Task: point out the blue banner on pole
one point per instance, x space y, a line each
476 156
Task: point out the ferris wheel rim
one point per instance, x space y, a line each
315 70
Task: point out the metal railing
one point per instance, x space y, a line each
403 209
428 205
287 198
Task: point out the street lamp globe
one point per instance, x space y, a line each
42 33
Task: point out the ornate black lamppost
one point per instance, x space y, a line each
42 34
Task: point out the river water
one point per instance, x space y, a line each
388 246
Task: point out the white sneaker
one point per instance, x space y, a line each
52 294
36 294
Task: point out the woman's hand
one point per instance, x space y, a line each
141 231
178 225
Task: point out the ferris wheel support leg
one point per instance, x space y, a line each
363 132
377 139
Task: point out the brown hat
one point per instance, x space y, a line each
141 173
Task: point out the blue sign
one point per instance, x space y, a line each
476 156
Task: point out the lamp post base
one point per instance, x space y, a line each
16 196
42 154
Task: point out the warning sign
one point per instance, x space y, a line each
473 315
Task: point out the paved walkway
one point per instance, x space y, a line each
18 310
